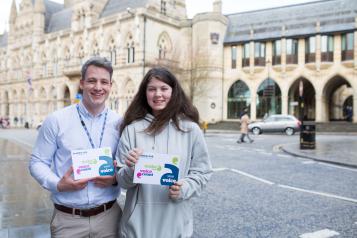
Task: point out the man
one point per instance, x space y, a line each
84 207
244 121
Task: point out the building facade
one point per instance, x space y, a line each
265 60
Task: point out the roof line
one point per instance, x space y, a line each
273 8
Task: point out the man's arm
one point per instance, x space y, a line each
43 154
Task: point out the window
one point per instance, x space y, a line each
162 52
163 7
326 48
259 53
131 53
246 54
238 99
277 52
310 49
347 46
44 70
234 56
113 56
291 51
55 68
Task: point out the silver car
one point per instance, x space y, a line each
276 123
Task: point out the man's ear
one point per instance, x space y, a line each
81 83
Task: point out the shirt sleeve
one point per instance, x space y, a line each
200 169
125 174
43 154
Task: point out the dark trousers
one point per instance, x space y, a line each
243 135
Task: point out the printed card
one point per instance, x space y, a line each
92 163
153 168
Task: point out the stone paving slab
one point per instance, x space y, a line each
331 150
37 231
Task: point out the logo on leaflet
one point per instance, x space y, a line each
107 168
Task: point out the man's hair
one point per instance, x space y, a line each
179 106
101 62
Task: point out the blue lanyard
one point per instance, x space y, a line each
87 132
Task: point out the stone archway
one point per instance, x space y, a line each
239 97
308 99
335 92
268 98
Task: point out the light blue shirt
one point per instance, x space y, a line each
62 132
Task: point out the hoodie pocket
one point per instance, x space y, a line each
160 220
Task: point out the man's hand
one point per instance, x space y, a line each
67 183
175 190
106 181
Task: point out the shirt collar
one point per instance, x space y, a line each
86 113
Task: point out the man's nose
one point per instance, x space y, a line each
98 85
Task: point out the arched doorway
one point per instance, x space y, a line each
336 92
308 98
268 98
238 98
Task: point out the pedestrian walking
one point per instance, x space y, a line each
161 119
84 207
244 121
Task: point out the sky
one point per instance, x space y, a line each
193 7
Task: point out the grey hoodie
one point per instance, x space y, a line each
148 211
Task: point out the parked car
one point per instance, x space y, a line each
276 123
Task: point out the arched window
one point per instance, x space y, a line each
238 99
164 45
131 52
269 98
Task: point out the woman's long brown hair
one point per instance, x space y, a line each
179 105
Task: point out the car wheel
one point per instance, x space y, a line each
289 131
256 130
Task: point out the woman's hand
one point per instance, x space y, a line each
132 157
175 190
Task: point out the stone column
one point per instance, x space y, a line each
355 48
318 52
337 49
301 52
253 106
321 108
284 101
354 108
283 54
251 57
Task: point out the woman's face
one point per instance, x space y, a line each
158 95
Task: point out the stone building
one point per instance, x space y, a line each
258 59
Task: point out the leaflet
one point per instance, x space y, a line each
92 163
160 169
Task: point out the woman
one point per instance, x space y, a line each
161 119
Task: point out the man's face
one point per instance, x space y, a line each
96 87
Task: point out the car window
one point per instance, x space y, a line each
270 119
